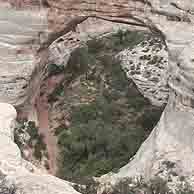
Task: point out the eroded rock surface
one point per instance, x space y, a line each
26 177
19 39
20 36
147 65
173 20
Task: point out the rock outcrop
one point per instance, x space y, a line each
25 35
26 177
172 20
19 37
19 41
147 65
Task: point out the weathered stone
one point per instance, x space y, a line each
151 78
21 36
16 169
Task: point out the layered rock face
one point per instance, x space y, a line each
172 137
147 65
169 19
24 175
19 40
23 43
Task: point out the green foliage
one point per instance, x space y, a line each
37 152
77 65
129 38
86 185
106 132
17 140
79 61
116 76
58 130
36 140
156 185
125 39
148 121
115 42
58 91
95 138
54 69
103 135
39 147
32 130
94 45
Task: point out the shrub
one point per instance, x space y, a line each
148 121
102 138
6 188
17 140
95 45
86 185
127 39
32 130
35 140
79 61
88 143
58 91
106 131
39 148
156 185
132 38
54 69
37 152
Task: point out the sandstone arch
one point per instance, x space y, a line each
172 138
173 19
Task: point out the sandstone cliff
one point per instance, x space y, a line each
24 175
19 41
29 28
169 19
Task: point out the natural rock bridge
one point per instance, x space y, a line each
29 28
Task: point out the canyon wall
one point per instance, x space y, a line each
19 172
28 28
19 42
